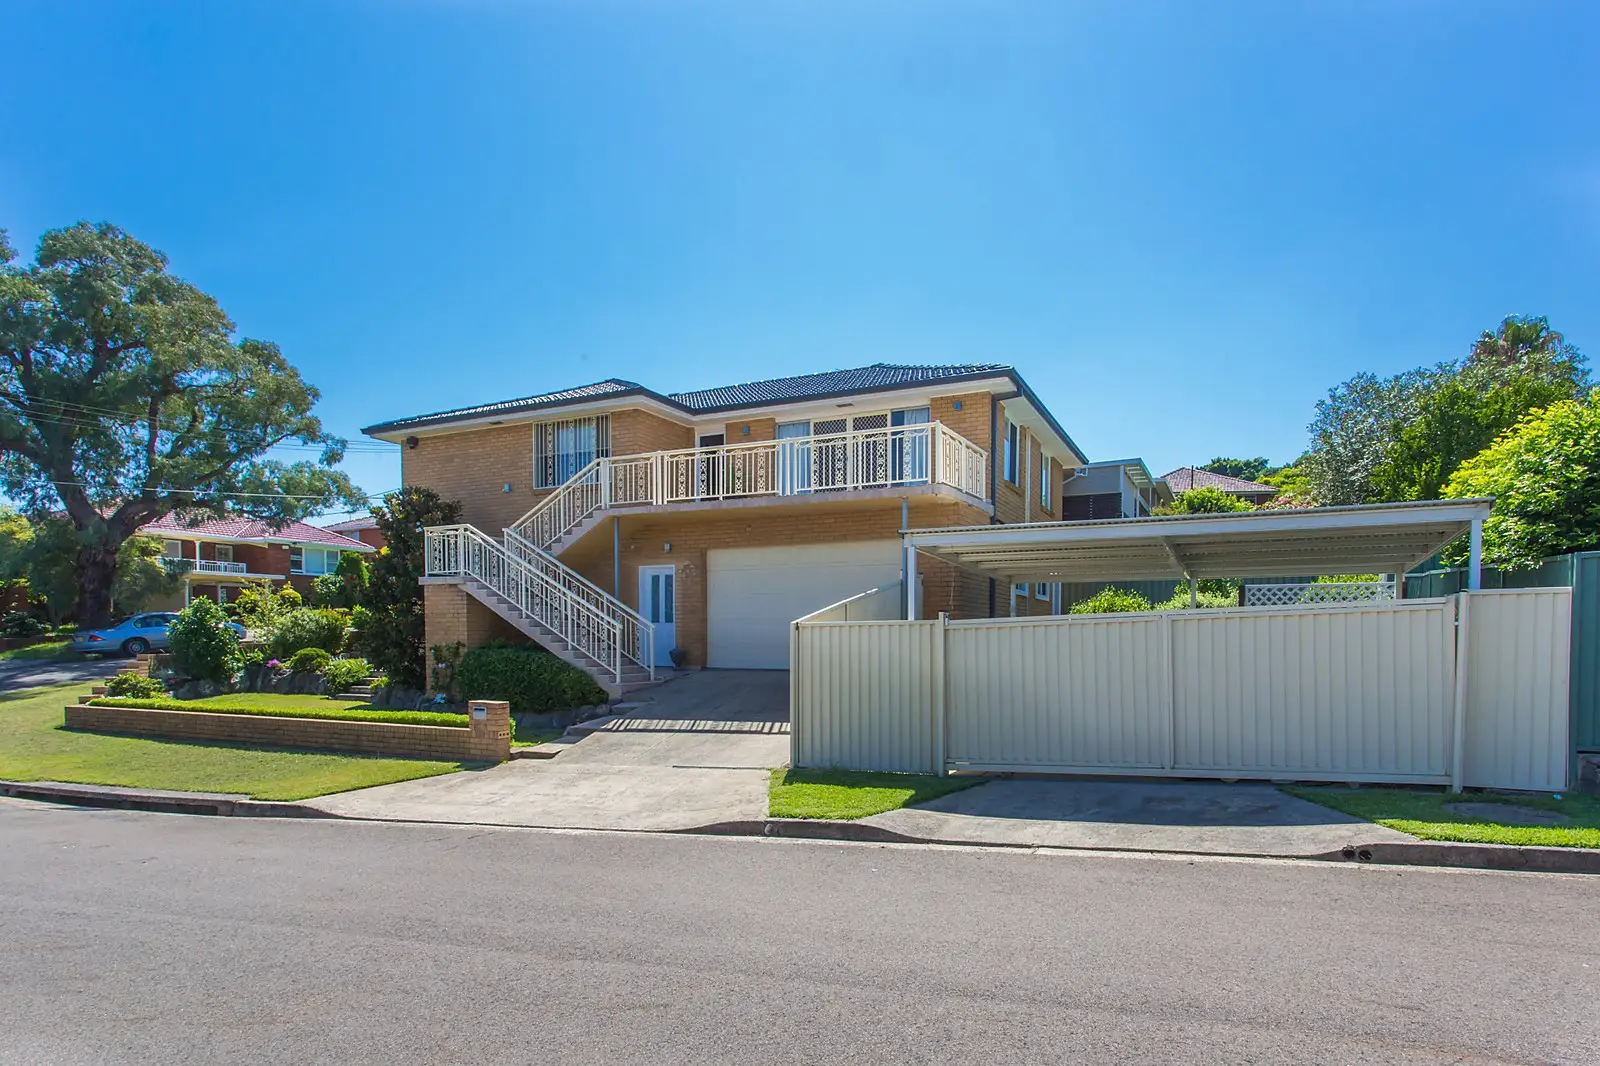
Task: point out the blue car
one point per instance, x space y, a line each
131 636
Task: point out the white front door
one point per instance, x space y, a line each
658 602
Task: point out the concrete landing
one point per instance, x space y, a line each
1202 817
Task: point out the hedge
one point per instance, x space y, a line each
454 721
532 681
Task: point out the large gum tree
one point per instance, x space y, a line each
126 395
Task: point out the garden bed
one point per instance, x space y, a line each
250 719
286 707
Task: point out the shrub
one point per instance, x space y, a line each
131 684
259 606
21 624
309 661
306 627
534 682
345 674
1111 600
1208 499
203 644
1205 597
327 590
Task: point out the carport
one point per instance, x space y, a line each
1464 690
1383 538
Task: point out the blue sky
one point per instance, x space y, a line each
1182 222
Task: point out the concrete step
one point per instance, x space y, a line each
364 697
364 690
548 750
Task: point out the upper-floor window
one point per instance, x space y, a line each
313 560
561 449
1044 482
224 553
172 549
1008 455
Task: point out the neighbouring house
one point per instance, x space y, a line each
1112 488
218 556
608 517
365 529
1189 477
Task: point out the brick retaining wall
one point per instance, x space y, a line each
486 739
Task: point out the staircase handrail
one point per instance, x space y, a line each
558 512
643 647
561 610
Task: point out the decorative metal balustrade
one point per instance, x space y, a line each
638 636
923 454
1320 592
594 631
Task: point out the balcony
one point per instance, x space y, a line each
203 566
929 454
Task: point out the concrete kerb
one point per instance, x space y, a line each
224 804
1502 857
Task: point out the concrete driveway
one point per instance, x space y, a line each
697 753
1136 815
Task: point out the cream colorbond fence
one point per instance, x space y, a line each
1348 693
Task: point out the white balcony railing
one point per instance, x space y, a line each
203 566
925 454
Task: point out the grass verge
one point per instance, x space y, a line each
1426 813
50 649
849 794
266 703
34 747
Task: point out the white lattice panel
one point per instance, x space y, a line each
1332 592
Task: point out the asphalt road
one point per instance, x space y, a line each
145 938
31 673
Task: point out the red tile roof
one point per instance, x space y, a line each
253 529
349 524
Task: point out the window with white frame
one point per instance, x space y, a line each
1044 482
1008 452
224 553
313 560
561 449
172 549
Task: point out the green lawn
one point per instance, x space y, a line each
530 738
1425 813
34 747
846 794
50 649
270 703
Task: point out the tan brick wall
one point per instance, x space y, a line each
972 421
486 741
760 429
692 534
452 615
635 432
473 467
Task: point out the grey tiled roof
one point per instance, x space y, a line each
593 391
827 383
725 397
1189 477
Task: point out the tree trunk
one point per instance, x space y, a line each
97 572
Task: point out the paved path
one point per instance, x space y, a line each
32 673
149 940
1243 819
696 754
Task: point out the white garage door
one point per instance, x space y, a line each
754 593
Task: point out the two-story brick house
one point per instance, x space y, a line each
709 520
218 556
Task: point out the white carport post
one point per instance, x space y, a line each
1475 556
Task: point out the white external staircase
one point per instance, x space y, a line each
520 578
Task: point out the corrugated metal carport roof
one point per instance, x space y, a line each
1382 538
